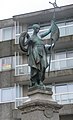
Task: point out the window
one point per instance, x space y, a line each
60 60
62 29
0 35
23 69
66 28
69 54
0 95
6 63
18 60
63 93
61 89
19 94
18 91
8 33
0 64
69 28
70 59
70 90
7 94
18 29
13 62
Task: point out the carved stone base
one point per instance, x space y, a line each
41 106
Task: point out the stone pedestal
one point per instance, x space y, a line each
40 106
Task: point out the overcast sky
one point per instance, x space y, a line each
9 8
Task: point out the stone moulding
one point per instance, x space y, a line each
40 106
45 106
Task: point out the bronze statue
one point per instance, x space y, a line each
37 51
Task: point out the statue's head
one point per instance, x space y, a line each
36 28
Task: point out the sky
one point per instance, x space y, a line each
10 8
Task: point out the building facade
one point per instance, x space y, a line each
14 69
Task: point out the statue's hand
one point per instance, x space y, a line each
53 44
23 34
48 47
27 35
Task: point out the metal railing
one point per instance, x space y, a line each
64 98
21 100
60 64
64 31
23 69
61 98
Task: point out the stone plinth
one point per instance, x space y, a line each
37 93
40 106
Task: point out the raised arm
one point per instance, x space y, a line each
46 33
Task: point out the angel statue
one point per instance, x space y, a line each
37 51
